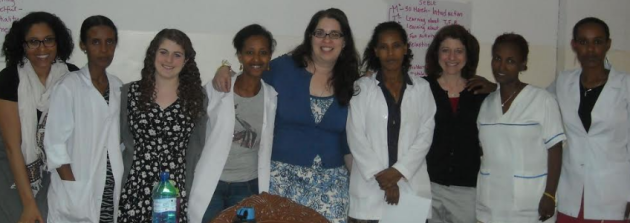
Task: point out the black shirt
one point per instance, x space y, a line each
588 98
454 157
10 80
393 117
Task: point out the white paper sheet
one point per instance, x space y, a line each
410 209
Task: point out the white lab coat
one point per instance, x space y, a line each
81 129
513 172
366 130
220 129
596 162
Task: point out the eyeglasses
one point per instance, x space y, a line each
35 43
322 34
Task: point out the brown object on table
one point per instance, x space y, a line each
272 209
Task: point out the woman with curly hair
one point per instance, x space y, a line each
36 50
160 117
389 153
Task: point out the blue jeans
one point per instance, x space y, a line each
227 195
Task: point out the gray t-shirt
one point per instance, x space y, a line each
242 163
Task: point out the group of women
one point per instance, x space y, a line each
308 127
70 121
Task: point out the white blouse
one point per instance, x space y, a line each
513 172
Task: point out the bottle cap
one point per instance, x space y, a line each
164 176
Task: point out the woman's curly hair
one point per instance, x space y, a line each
189 91
13 46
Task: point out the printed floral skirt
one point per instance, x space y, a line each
321 189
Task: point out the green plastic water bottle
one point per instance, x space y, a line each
165 201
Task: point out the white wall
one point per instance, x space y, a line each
212 24
614 13
536 20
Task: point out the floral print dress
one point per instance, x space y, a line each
161 138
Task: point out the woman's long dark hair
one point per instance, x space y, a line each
346 69
189 90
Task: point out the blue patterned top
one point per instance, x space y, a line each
319 106
298 136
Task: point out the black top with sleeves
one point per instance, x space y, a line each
454 157
9 81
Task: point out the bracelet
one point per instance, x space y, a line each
551 196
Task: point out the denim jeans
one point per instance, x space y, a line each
227 195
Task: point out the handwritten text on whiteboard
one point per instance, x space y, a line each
10 11
422 19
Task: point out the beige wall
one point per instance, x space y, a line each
541 65
613 12
620 60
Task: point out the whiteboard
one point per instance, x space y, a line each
422 20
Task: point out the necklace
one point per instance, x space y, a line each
512 95
324 90
598 84
451 95
586 91
452 90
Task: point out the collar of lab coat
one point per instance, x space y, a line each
613 85
84 73
408 80
614 79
